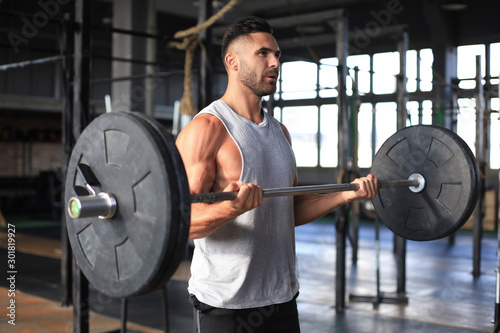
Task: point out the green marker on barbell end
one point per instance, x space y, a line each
74 208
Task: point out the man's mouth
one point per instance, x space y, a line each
273 77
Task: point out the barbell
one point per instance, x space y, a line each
128 199
94 203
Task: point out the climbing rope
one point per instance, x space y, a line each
189 43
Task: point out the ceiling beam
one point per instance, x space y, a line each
296 20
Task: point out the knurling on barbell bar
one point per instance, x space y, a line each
128 198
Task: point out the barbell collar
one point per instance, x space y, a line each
102 205
420 183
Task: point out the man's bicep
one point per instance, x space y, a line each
201 177
195 145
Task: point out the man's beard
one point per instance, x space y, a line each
249 79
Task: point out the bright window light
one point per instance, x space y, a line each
302 123
385 68
328 77
361 61
411 70
277 113
427 112
494 63
466 121
426 72
365 117
299 80
413 109
386 121
495 135
329 136
466 61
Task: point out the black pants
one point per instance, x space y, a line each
268 319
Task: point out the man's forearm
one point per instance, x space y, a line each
309 208
206 218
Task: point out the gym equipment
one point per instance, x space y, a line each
128 197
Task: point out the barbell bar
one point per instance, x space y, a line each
104 205
415 183
128 199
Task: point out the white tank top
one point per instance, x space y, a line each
250 261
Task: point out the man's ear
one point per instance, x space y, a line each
231 61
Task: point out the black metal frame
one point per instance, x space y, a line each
80 119
379 297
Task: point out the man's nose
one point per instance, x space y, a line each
274 62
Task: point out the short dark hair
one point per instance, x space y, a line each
241 27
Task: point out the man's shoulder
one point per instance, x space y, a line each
206 121
204 125
201 138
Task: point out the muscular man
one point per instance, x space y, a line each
243 269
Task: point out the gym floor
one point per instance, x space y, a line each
443 296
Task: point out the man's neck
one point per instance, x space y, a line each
248 107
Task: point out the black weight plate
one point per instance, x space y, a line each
476 183
451 176
163 270
178 180
123 256
177 245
